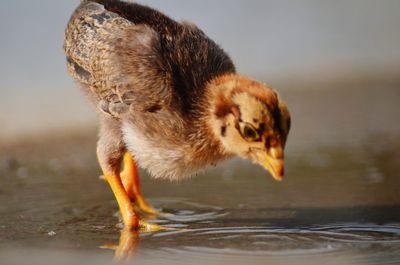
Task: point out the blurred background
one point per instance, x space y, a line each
336 64
298 45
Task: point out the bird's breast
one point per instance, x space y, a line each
167 160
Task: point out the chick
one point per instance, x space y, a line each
168 98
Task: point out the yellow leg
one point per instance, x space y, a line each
129 216
131 182
124 195
127 211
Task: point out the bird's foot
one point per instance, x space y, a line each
151 228
144 206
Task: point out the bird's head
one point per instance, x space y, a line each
251 121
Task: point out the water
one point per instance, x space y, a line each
339 204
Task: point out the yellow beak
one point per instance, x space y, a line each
269 161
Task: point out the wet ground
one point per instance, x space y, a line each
339 204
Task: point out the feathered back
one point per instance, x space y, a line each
127 53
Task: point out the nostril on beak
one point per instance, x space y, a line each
276 152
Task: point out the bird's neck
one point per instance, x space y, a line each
216 103
201 133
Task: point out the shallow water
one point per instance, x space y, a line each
339 204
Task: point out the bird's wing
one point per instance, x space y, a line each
117 60
129 71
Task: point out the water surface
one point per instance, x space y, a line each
339 204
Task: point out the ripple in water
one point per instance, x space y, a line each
188 212
207 229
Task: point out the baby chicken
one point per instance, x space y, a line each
168 97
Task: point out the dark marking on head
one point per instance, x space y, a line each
262 128
255 121
237 125
236 112
276 114
268 142
223 131
223 108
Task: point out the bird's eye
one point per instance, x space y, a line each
249 133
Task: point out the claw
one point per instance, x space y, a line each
151 228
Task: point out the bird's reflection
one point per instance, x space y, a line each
129 238
128 244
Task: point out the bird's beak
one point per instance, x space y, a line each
272 161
